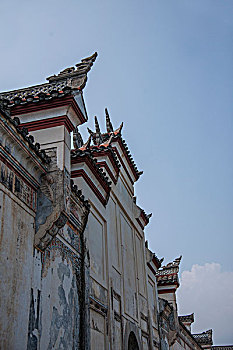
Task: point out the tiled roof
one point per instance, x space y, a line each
187 318
204 337
79 154
168 274
58 86
78 193
222 347
129 156
107 149
15 122
167 279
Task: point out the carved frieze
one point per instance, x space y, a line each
18 186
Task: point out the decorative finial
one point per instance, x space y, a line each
108 142
177 260
90 131
118 131
86 145
98 136
75 77
97 127
109 126
90 59
77 138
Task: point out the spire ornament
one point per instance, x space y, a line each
108 142
98 135
86 145
109 126
97 127
118 131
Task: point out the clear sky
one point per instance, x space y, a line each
165 69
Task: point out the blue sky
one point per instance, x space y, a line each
165 69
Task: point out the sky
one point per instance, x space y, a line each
164 68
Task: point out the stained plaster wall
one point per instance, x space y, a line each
40 292
17 237
44 299
55 310
60 285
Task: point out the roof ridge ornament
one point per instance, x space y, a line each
118 131
109 126
90 131
108 142
174 263
86 145
98 136
97 127
187 318
76 77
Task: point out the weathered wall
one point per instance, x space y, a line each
57 295
16 238
44 295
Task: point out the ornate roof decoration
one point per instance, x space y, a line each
58 86
187 318
105 140
15 122
168 274
109 126
76 77
86 146
204 337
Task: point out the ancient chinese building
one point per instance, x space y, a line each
76 272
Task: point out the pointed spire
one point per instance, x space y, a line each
109 126
97 127
86 145
98 139
90 131
108 142
118 131
177 261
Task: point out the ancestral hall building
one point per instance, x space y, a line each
76 272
